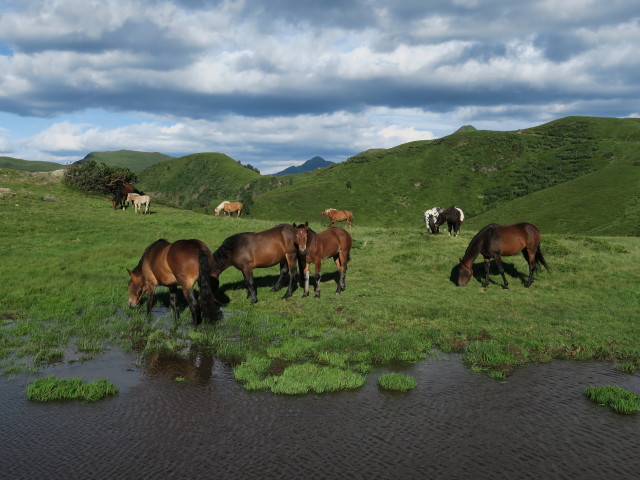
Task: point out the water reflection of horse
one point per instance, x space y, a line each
454 216
122 189
250 250
430 218
138 201
180 263
227 208
495 241
338 216
334 242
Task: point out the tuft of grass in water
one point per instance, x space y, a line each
49 389
628 367
618 399
296 379
397 382
489 356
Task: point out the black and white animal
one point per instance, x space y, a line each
454 216
430 217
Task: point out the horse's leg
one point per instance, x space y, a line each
487 268
498 261
251 289
173 301
193 304
343 270
305 272
283 271
339 266
150 291
293 273
317 266
531 260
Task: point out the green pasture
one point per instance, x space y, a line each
64 292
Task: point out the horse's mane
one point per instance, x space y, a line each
225 250
138 268
481 232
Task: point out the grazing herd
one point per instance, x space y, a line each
295 248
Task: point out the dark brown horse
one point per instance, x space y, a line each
338 216
334 242
250 250
122 189
454 216
495 241
171 264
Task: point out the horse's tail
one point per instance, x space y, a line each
540 260
206 283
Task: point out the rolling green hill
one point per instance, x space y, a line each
198 182
133 160
577 175
29 165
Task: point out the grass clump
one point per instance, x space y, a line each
256 374
397 382
50 389
618 399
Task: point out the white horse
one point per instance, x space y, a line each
220 207
139 200
430 217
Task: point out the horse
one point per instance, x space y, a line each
250 250
123 189
495 241
430 217
220 207
231 207
139 200
337 216
182 263
454 216
334 242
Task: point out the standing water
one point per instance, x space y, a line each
455 424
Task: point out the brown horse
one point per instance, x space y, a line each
250 250
231 207
495 241
338 216
334 242
171 264
122 190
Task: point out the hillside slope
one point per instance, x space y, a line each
29 165
308 166
479 171
198 182
133 160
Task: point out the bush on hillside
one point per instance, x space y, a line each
94 177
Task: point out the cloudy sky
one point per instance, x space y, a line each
273 83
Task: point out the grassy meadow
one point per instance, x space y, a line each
64 294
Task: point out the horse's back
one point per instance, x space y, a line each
333 240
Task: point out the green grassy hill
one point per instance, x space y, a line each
133 160
29 165
197 182
576 174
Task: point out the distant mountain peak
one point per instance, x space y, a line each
308 166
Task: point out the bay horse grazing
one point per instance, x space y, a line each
334 242
430 218
338 216
180 263
454 216
495 241
138 201
220 208
250 250
231 207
